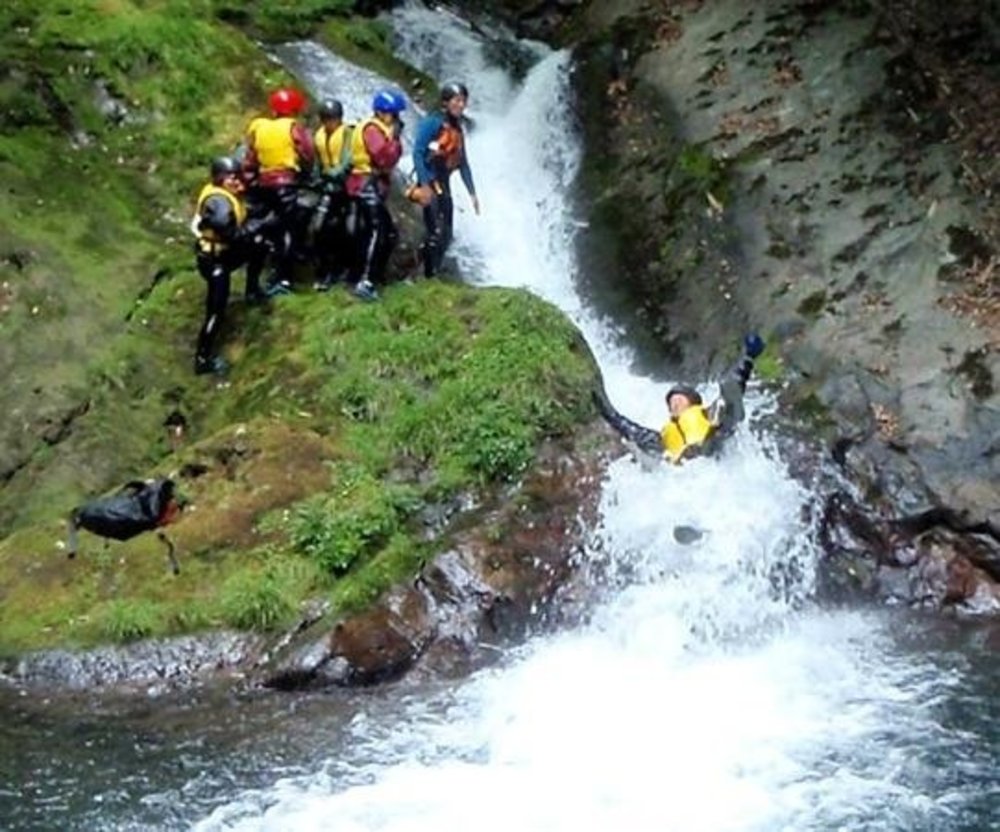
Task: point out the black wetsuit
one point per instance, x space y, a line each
377 235
216 263
435 172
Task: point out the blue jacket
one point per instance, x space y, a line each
424 162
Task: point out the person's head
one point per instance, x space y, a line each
226 173
331 112
388 104
286 102
680 398
454 98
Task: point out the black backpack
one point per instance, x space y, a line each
139 506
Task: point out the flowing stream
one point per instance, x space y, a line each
708 692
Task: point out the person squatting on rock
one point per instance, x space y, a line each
333 219
438 151
375 151
279 154
693 429
225 241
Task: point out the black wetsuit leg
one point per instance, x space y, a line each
217 273
332 241
283 233
438 225
379 237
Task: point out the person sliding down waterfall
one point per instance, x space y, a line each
692 429
438 151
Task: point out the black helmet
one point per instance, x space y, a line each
222 167
331 108
453 88
688 392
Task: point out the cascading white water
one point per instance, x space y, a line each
708 693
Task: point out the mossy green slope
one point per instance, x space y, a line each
312 469
111 110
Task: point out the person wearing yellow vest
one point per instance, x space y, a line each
693 428
279 155
223 244
328 225
375 152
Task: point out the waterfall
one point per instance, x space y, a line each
709 692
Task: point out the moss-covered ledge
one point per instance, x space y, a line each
344 448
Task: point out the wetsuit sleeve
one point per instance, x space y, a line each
339 170
217 215
250 162
646 438
427 131
305 149
730 403
384 152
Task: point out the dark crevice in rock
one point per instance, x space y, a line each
159 277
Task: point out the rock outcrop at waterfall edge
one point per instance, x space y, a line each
824 171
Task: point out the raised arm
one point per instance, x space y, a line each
728 411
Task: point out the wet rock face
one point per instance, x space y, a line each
817 170
150 667
922 560
514 569
545 20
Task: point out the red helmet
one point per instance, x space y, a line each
287 102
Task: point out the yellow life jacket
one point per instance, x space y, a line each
271 139
333 148
208 239
691 428
361 162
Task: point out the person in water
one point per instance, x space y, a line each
693 428
438 151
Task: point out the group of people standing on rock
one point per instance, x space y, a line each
289 195
253 211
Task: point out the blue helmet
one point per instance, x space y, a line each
389 101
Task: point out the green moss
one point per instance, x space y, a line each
769 366
812 305
339 421
121 621
400 558
436 391
976 371
267 598
808 408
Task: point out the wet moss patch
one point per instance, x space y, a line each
974 369
812 305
